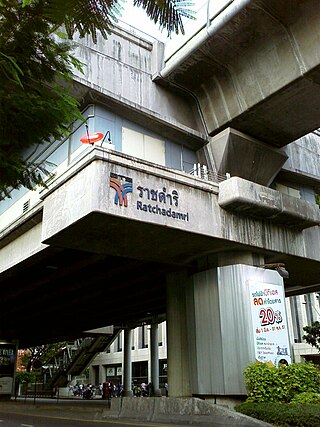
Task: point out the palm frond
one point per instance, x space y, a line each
10 68
84 16
168 13
88 16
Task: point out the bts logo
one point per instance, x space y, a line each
123 186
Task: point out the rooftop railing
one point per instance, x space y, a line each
202 171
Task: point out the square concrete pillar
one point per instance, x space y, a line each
177 335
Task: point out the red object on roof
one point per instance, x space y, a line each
91 138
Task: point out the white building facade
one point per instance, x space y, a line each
302 310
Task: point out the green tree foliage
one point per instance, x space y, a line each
266 383
36 72
25 377
34 107
44 353
312 335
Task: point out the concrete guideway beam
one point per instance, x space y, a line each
239 195
236 154
256 68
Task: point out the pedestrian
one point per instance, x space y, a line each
111 389
70 390
80 390
150 389
119 389
105 390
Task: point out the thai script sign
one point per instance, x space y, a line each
165 202
269 322
154 201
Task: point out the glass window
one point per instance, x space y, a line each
15 195
154 150
57 157
143 146
189 159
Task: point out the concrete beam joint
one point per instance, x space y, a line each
242 196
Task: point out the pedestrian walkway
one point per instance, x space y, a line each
156 410
66 408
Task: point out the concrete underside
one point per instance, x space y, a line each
101 270
104 269
109 270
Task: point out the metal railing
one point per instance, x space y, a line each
202 171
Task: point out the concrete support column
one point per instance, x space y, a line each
177 336
154 350
102 376
127 365
224 332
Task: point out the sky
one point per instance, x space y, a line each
137 17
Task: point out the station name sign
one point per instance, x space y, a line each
153 201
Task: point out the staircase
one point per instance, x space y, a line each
78 356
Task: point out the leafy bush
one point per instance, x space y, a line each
306 397
266 383
282 415
28 377
312 335
270 389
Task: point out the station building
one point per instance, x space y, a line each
188 194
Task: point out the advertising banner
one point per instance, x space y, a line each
269 322
7 367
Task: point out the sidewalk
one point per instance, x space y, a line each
157 410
